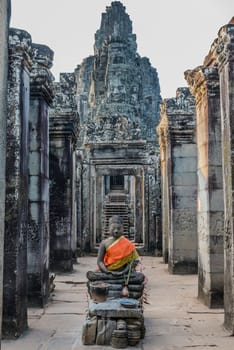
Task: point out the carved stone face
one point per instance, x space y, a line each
117 90
116 230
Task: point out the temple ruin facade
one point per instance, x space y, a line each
102 141
118 98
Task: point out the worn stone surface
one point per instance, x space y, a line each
115 285
118 98
179 165
41 94
225 53
4 27
16 214
113 309
204 84
63 201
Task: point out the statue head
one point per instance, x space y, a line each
116 226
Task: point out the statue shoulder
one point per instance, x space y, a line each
108 241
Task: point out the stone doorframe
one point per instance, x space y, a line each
98 171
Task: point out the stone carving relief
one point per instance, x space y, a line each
114 128
118 92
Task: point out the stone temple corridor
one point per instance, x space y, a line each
102 141
174 317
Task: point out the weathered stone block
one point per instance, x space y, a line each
34 185
184 179
180 165
216 200
185 151
185 202
216 176
34 163
215 153
184 221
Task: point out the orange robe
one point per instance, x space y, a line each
119 253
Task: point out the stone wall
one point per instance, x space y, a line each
204 84
16 212
63 200
225 58
179 182
4 26
41 94
26 253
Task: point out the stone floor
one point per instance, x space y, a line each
174 319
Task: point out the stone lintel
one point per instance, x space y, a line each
20 43
119 162
225 46
122 169
177 118
182 136
203 81
62 126
43 55
41 79
117 144
41 88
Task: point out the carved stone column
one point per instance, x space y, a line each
179 164
163 141
63 207
38 230
204 84
79 198
225 52
4 26
140 187
16 216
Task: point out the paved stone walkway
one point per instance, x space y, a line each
174 319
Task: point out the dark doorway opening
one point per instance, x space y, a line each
117 183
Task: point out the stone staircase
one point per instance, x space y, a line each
116 204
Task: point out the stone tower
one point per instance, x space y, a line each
118 97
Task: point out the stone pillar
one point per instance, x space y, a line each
16 213
165 162
63 136
158 214
79 199
180 159
152 210
139 205
204 84
85 218
99 199
4 26
38 229
225 51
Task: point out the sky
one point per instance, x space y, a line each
175 35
